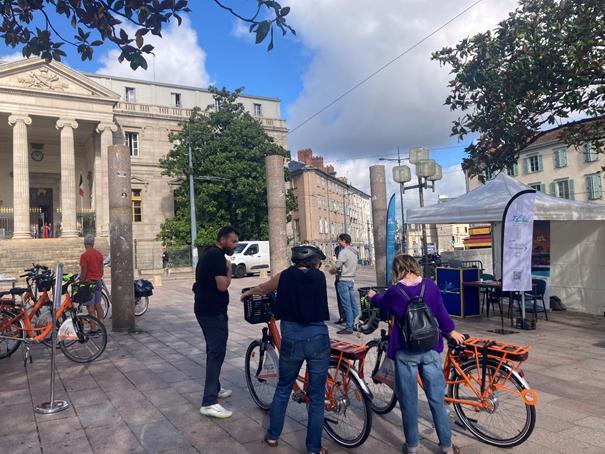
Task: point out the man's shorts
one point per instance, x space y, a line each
96 299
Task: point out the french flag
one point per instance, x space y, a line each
81 186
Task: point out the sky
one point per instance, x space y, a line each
338 44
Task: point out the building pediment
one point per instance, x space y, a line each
35 75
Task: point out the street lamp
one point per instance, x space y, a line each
401 174
428 172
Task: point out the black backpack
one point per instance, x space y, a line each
418 327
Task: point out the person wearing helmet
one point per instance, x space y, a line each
302 307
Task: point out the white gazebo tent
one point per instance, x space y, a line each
577 249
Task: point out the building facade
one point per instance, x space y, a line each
550 166
328 206
58 124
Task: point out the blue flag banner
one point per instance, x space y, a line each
391 233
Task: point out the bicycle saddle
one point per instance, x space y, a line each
18 291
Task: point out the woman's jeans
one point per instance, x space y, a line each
407 367
315 350
346 291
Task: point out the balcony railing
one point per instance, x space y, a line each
183 113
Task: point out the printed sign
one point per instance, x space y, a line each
518 225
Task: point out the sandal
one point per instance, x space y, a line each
270 441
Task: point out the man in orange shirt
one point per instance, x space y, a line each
91 262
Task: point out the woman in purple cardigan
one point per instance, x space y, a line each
407 275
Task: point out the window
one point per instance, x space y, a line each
252 250
513 170
594 187
537 186
590 154
560 157
176 99
258 110
533 164
131 140
131 94
563 189
137 209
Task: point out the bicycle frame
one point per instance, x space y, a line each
332 382
27 318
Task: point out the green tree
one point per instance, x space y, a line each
31 23
540 66
228 144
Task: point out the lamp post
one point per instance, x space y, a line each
428 172
194 256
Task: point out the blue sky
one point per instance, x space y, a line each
338 43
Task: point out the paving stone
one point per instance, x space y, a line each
159 436
20 443
58 430
78 445
98 415
116 438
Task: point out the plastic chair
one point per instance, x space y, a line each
534 296
485 293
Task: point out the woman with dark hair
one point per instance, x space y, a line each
302 307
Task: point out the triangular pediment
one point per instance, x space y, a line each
34 74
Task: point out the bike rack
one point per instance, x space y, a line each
54 406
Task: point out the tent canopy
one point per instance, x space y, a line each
487 203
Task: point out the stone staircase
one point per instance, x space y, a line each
17 255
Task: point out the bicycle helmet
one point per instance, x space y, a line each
369 323
305 253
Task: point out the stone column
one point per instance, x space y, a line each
276 202
106 131
68 177
378 190
19 122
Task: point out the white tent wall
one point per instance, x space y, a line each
577 268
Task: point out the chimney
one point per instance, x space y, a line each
305 155
317 161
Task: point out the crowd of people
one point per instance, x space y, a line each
302 308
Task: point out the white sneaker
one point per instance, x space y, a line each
216 411
224 393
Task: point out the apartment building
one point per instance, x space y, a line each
328 206
550 166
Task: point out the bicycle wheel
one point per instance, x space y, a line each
261 366
348 417
509 421
105 304
12 329
383 396
141 304
88 347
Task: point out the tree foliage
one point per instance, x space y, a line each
227 143
31 23
542 65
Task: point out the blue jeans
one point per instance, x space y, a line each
315 351
346 291
407 367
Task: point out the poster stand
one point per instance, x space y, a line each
54 406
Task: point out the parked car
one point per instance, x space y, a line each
250 257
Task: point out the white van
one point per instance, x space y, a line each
250 257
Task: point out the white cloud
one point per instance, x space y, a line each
179 58
358 174
403 105
11 57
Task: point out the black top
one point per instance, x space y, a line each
208 299
302 296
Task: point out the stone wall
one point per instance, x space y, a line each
17 255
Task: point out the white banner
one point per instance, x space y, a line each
518 225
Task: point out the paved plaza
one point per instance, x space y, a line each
143 393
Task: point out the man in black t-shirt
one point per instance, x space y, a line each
212 280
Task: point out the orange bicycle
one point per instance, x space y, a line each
485 384
348 413
22 324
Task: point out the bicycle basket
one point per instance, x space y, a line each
46 284
83 292
258 309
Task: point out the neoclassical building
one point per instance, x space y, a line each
55 127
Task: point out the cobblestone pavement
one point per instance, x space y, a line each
143 393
